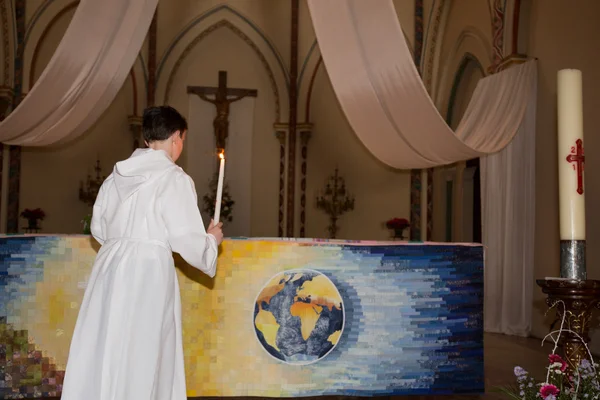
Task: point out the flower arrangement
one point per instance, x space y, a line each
32 217
398 225
210 200
37 214
562 383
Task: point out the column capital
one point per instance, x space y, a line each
507 62
134 120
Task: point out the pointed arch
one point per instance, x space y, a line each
225 24
226 17
467 60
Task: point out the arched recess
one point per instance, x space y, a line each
470 41
42 22
224 17
308 71
7 44
469 72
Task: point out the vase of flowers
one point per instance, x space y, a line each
33 218
563 382
560 384
397 226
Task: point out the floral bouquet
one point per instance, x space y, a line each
562 383
36 214
398 225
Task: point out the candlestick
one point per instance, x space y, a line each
571 160
219 195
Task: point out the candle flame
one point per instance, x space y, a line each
222 155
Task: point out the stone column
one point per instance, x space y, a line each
305 131
281 133
6 99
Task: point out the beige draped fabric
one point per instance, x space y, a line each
85 74
384 99
386 103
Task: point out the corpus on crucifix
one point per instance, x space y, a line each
221 97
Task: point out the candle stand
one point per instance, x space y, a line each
579 298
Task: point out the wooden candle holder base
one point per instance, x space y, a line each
579 299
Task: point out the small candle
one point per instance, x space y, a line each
570 155
219 188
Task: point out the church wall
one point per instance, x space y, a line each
562 35
230 53
50 176
380 192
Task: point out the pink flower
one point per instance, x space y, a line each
555 358
548 390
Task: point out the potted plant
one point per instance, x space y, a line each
210 199
397 225
33 217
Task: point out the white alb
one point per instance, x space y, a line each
127 343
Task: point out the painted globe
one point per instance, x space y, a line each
299 316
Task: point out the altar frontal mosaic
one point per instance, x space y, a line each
280 319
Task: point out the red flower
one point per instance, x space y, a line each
555 358
547 390
397 223
38 213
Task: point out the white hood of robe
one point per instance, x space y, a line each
144 165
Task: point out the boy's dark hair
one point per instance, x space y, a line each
160 123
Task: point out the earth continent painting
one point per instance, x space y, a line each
299 316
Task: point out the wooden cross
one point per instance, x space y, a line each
223 97
578 158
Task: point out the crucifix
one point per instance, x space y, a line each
578 158
223 97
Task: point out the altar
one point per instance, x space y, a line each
360 318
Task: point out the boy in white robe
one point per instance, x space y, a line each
127 343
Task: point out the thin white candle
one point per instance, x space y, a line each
424 208
571 155
219 189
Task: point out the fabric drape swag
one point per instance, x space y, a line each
384 99
84 75
380 90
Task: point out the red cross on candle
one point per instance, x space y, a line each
578 159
